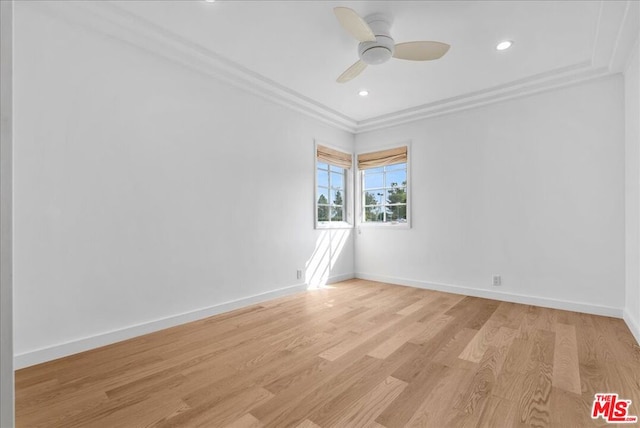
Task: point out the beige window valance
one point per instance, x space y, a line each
382 158
334 157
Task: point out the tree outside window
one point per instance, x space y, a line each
330 180
384 196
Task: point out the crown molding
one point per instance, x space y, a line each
614 36
538 83
116 23
628 38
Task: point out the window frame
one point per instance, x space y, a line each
360 222
347 191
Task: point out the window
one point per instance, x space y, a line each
332 180
384 186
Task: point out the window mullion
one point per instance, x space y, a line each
384 193
333 214
329 194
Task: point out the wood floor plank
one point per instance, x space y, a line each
620 339
439 306
534 397
307 424
566 369
300 372
470 405
412 308
568 409
497 411
58 415
355 354
328 413
477 346
463 314
448 354
593 354
145 412
511 377
434 328
219 413
393 343
452 384
366 409
246 421
402 409
294 404
529 321
349 344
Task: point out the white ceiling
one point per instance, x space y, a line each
297 48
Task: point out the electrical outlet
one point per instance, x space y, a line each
497 280
299 274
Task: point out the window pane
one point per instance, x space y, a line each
336 213
372 181
323 195
323 213
397 213
397 195
374 198
337 169
377 170
322 165
337 197
396 166
373 214
337 180
399 177
323 178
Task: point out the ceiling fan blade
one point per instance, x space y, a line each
352 72
420 51
354 24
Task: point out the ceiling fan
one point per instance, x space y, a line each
376 45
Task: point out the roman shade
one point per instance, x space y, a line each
382 158
334 157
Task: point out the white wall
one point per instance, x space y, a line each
531 189
123 159
632 190
6 207
145 191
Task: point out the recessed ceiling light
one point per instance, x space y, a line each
506 44
209 1
363 93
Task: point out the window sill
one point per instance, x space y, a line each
405 225
334 225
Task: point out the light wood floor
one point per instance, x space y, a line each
360 354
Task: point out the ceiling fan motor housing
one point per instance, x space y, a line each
382 49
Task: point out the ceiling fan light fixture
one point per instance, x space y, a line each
376 55
504 45
377 52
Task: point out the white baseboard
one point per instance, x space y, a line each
498 295
73 347
338 278
633 324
